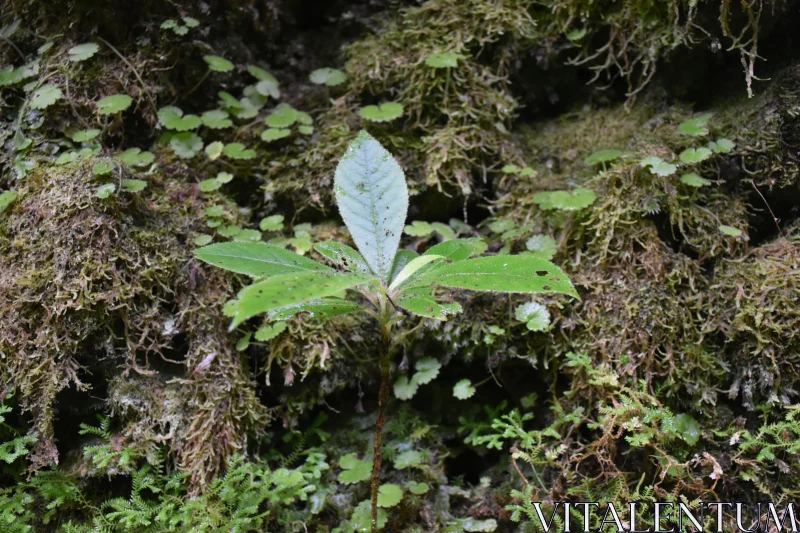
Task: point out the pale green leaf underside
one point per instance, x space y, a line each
400 261
373 200
257 259
412 266
282 291
517 274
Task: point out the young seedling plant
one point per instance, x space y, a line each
386 283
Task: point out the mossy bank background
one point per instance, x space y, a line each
128 406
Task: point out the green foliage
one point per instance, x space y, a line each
218 64
384 112
692 179
373 200
463 390
82 52
328 76
534 314
6 199
354 470
603 156
45 96
172 118
443 60
574 200
695 127
658 166
389 495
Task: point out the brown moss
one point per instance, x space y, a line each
108 288
755 302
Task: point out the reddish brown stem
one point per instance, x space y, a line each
383 399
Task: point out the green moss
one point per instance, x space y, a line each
98 290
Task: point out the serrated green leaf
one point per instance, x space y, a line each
421 301
361 521
82 52
186 145
132 185
327 76
218 64
113 104
269 332
214 150
277 292
427 370
274 134
322 308
101 168
696 127
418 228
444 231
67 158
45 96
260 74
85 135
382 113
271 223
209 185
135 157
354 469
6 199
574 200
172 118
536 316
417 488
202 240
658 166
389 495
405 389
372 196
238 151
695 155
603 156
282 116
407 459
257 259
542 246
515 274
216 119
694 180
105 190
343 256
721 146
463 389
10 75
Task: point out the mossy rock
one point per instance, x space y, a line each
105 291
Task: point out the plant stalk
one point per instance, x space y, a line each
383 399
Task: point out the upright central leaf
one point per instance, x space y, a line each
373 199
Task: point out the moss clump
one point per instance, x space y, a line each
755 303
104 291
